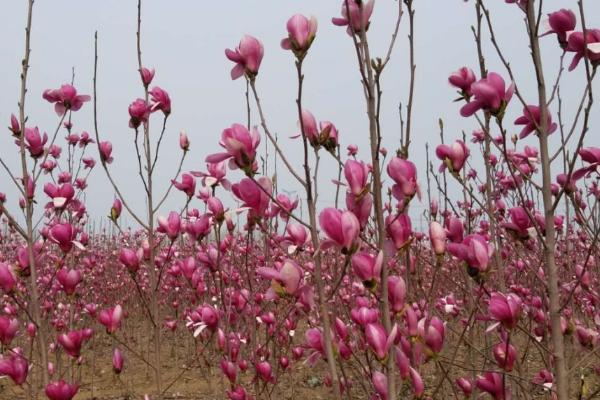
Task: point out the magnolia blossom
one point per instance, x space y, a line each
247 57
561 22
15 367
577 42
367 266
531 118
301 33
341 227
65 98
453 157
489 94
463 79
61 390
404 174
474 250
506 309
240 145
356 15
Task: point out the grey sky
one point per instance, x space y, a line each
185 40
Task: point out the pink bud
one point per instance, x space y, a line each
505 355
301 33
184 142
437 236
147 75
117 361
342 228
61 390
380 382
8 280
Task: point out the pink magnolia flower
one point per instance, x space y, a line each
475 251
561 22
117 361
187 185
356 15
69 279
404 174
357 175
301 33
492 383
505 355
367 266
85 140
147 74
590 155
214 176
15 367
489 94
341 227
247 57
116 209
531 119
465 385
216 208
240 146
161 100
399 230
65 98
328 137
284 206
8 280
360 207
455 229
237 393
34 142
8 329
14 127
72 341
63 235
576 43
463 79
286 280
506 309
433 331
130 259
229 369
378 340
111 318
309 127
416 382
297 235
352 150
105 149
184 141
453 157
61 390
437 236
60 195
396 293
380 383
254 196
139 112
171 226
519 224
265 371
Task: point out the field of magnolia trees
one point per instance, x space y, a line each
497 298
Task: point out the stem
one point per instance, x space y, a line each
315 239
560 369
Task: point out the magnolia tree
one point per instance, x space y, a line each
497 299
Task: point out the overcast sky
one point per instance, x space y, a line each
185 42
